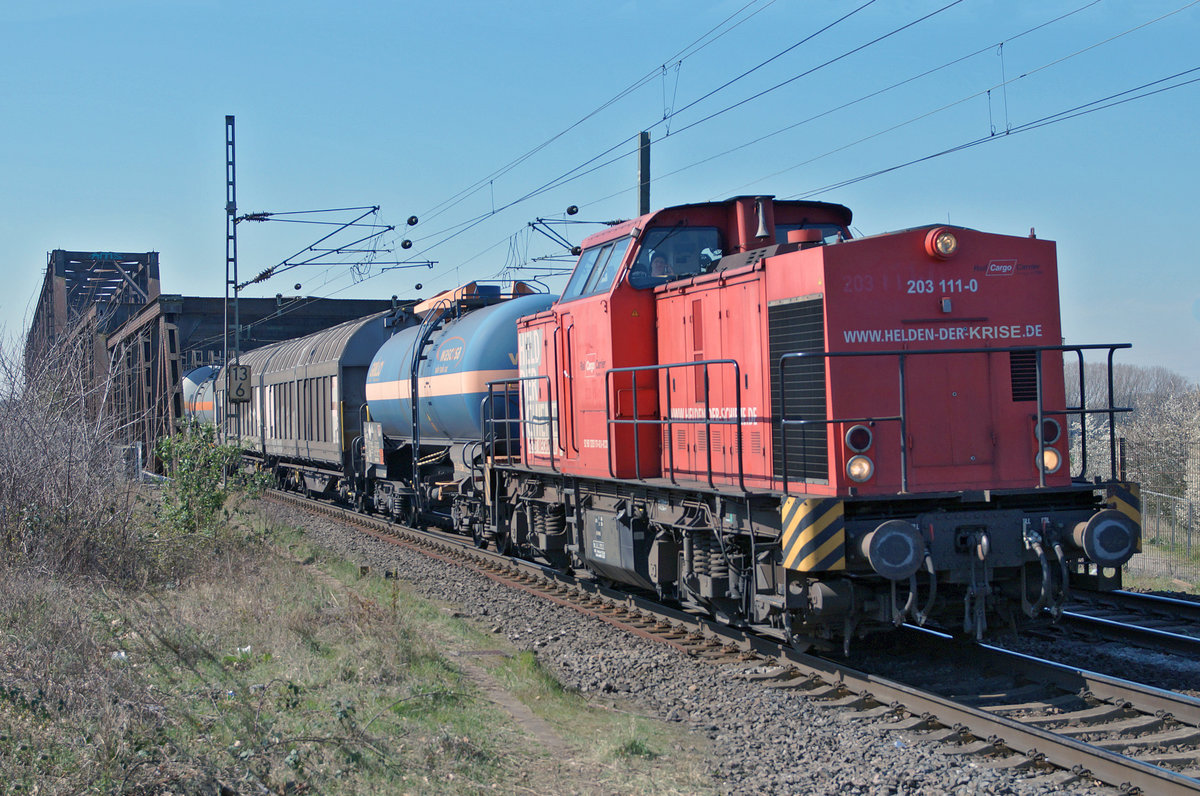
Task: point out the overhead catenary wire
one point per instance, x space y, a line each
456 230
696 46
856 101
974 95
1060 116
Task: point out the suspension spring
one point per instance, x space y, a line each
701 561
556 519
718 565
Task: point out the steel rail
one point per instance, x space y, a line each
1157 623
1156 604
1138 635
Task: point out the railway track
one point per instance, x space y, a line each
1017 710
1148 621
1123 733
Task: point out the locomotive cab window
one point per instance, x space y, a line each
595 270
674 253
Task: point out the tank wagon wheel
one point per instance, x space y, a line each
504 543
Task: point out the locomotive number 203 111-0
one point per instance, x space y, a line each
943 286
865 283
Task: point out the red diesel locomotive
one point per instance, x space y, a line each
742 408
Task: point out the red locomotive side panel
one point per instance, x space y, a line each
969 419
720 409
780 366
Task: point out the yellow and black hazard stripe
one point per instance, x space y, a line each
1127 499
814 534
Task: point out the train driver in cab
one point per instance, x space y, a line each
658 272
660 268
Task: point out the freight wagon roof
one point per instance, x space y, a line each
342 343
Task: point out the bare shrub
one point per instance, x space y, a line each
65 503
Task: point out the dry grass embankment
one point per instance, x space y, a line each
151 643
255 674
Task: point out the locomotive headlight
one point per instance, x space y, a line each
858 438
1049 460
941 243
860 468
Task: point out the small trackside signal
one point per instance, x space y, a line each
941 243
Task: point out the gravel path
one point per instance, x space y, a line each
764 740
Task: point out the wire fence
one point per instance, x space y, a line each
1169 474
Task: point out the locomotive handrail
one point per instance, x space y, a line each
708 421
523 417
1082 411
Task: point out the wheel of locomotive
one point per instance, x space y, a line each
478 536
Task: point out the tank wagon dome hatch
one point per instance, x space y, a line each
470 293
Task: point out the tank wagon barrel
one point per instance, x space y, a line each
198 394
455 357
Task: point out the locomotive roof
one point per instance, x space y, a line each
625 227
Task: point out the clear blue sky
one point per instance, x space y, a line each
113 133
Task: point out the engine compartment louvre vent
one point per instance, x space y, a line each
1022 366
799 327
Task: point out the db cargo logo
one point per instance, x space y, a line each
1001 267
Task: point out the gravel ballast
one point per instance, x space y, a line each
764 740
